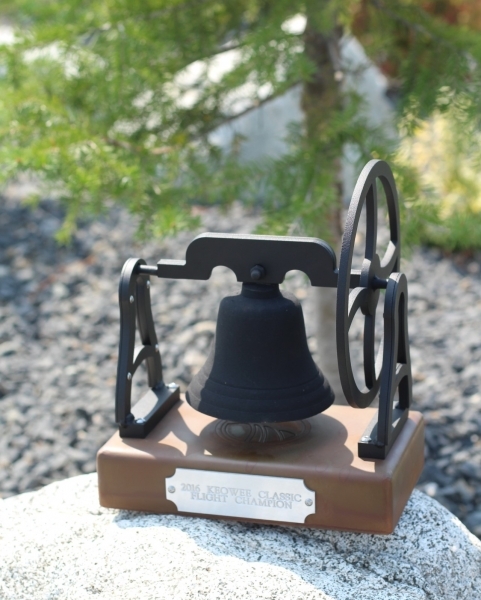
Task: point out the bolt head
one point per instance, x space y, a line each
156 347
148 284
171 489
309 502
172 386
140 421
129 376
257 272
365 438
131 299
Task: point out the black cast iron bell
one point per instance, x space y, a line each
259 368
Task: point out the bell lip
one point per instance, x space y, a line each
296 413
282 394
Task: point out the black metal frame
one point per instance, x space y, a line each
390 370
267 259
134 300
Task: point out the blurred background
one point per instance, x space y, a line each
128 128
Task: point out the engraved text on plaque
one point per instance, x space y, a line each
239 495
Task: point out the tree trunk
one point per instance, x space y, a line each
321 98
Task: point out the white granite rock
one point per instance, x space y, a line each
58 543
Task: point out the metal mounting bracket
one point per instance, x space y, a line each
134 300
382 432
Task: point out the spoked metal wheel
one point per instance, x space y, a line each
360 290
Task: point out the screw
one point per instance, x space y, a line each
129 376
309 502
131 299
365 438
148 284
171 489
129 419
257 272
156 347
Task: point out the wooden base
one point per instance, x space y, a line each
352 494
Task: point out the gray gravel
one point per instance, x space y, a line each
59 338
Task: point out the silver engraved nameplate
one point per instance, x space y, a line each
238 495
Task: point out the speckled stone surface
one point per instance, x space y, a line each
58 543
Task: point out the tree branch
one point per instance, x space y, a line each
416 27
137 149
257 104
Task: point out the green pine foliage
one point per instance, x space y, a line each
113 101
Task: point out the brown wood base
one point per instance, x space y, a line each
352 494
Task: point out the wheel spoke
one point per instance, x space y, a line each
390 261
356 299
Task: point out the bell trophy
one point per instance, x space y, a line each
257 437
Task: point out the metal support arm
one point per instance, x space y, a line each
134 300
382 432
